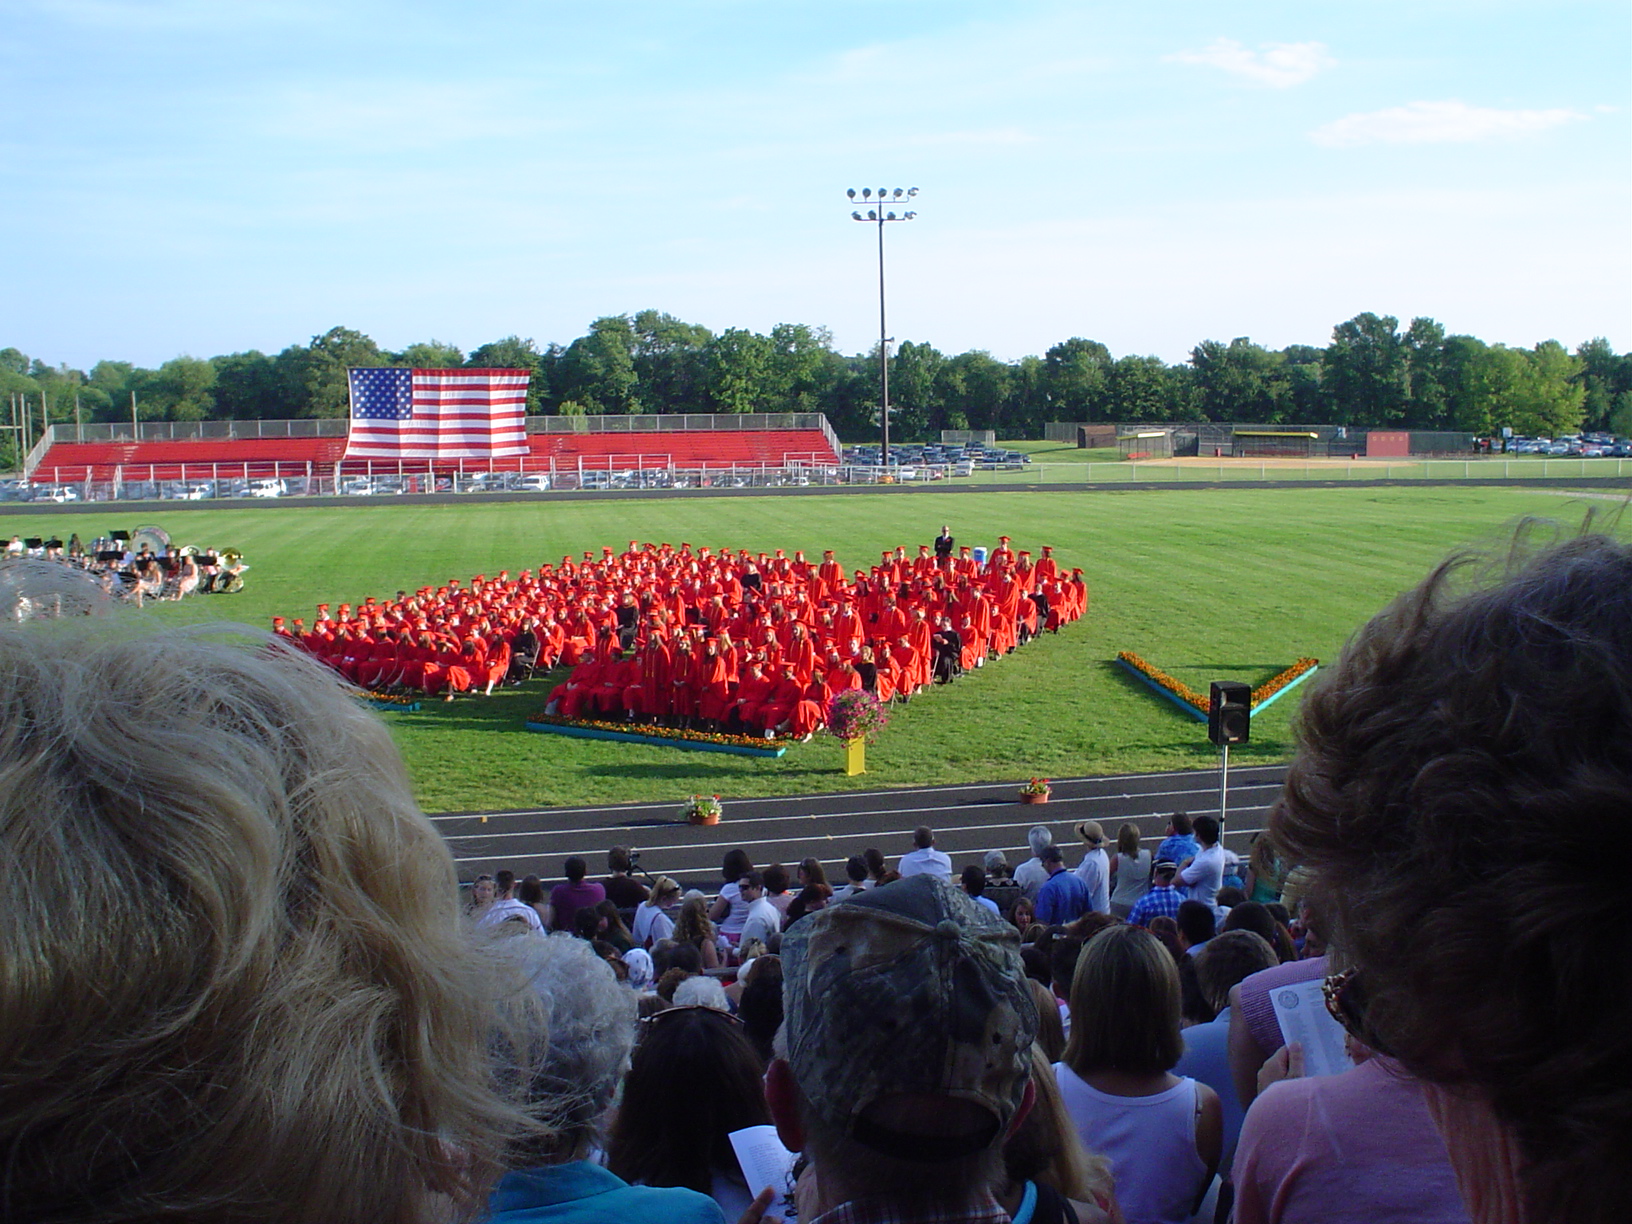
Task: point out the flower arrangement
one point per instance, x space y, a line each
856 714
1275 684
1172 684
1202 704
702 810
390 701
656 732
1037 786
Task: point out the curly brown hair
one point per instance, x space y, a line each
1458 771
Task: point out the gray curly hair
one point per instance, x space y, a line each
581 1027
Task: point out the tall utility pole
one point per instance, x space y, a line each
878 214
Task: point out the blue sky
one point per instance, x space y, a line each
207 176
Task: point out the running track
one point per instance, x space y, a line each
968 819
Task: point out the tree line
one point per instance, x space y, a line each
1373 373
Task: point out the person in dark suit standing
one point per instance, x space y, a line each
943 548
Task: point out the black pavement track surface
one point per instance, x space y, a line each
968 819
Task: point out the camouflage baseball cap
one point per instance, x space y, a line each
908 989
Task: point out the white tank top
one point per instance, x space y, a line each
1151 1141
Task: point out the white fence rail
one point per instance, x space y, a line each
203 482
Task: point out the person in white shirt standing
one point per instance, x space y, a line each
1204 875
925 859
1095 868
1031 875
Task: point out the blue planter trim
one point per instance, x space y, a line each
401 708
1190 709
1160 691
1285 689
630 737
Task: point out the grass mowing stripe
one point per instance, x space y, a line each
1210 584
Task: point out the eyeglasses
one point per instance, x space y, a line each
1346 1000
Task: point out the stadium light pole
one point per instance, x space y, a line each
876 203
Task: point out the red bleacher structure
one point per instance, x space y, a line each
123 460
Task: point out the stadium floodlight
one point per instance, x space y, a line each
879 216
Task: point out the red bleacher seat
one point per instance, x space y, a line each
196 459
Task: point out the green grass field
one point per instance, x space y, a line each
1208 584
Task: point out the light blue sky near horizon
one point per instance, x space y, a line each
210 176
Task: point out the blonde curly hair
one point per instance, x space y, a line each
234 983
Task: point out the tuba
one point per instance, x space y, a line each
230 580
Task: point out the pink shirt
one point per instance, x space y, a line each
1356 1148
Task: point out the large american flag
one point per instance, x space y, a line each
437 414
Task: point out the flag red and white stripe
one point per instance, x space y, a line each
436 414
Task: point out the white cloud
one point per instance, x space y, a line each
1450 122
1278 65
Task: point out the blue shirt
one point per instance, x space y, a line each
1156 903
1177 848
582 1193
1064 898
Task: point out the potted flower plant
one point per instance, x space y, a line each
702 810
856 717
1035 791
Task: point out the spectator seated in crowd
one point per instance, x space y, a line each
903 1120
1221 965
1162 899
585 1021
566 899
1180 845
924 859
1455 775
138 573
730 910
265 1008
692 929
1045 1165
507 907
1163 1133
654 919
621 888
695 1078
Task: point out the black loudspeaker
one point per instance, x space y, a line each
1229 714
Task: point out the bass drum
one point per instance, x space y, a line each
157 539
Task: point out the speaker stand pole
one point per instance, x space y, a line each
1223 788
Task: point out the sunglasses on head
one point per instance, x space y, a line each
690 1007
1346 1000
